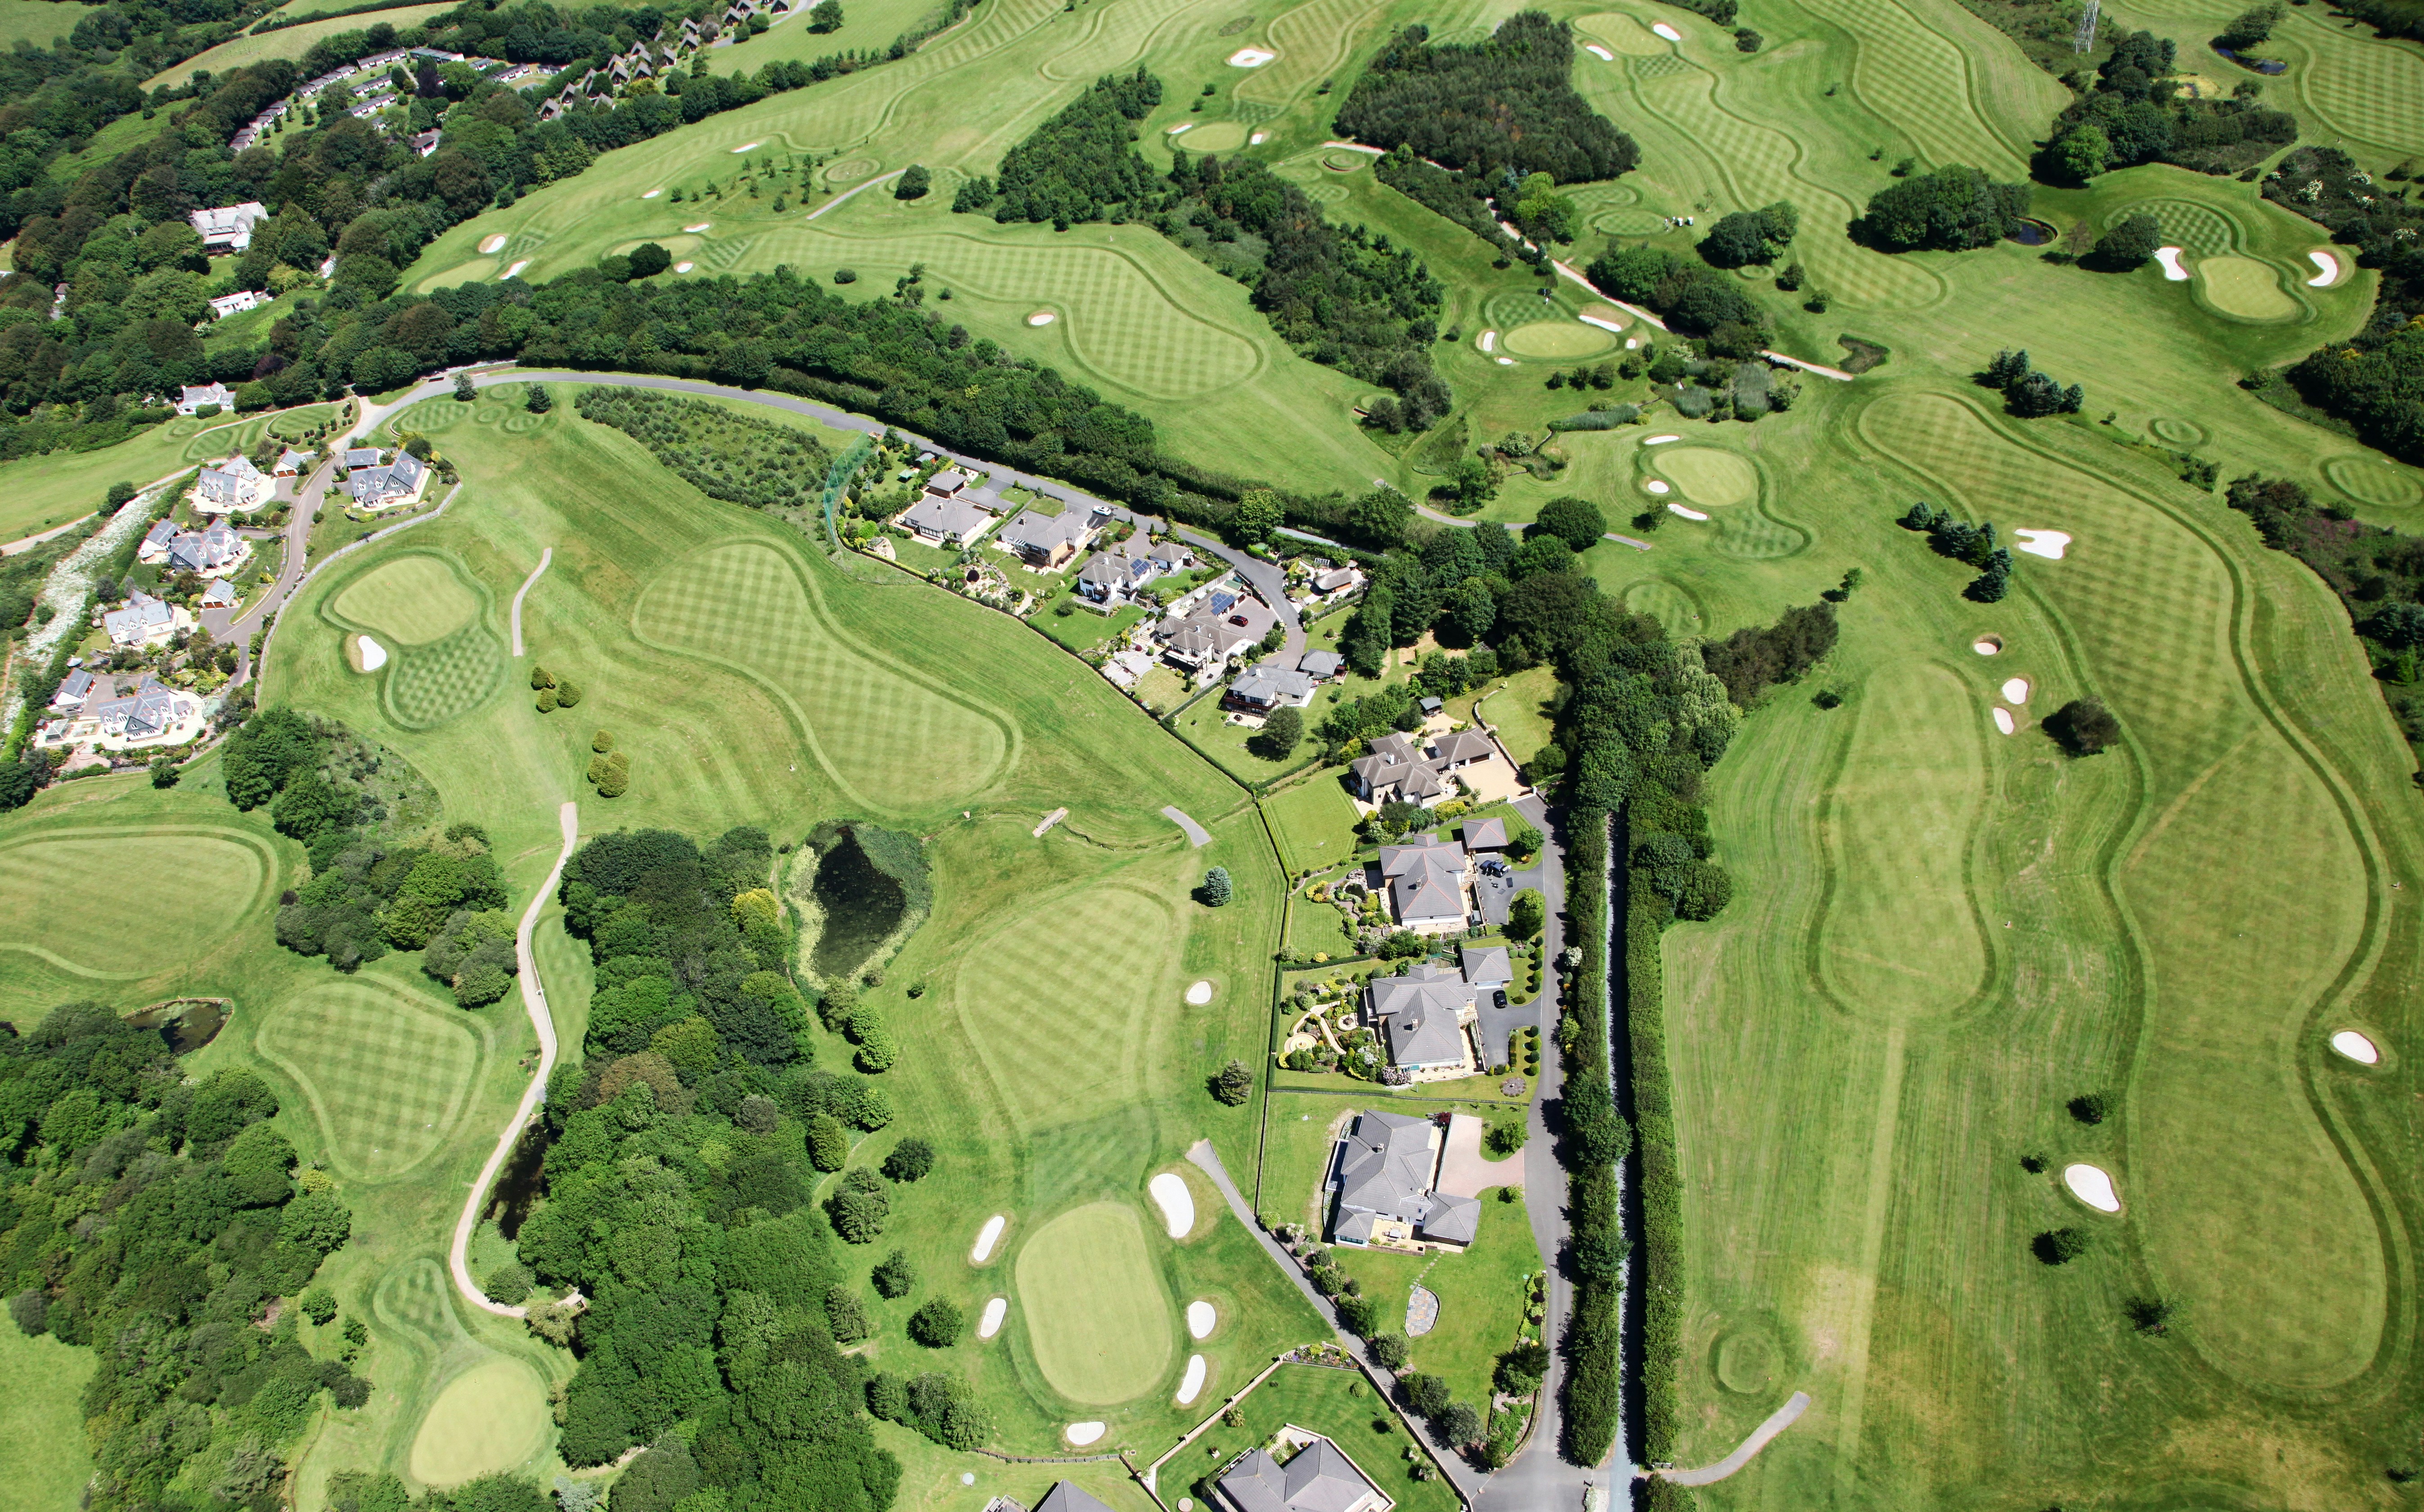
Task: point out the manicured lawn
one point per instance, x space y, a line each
1206 727
1338 1403
1083 629
1315 820
42 1452
1519 708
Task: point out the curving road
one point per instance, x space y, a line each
535 1003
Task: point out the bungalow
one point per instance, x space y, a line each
190 400
155 541
424 143
1048 541
363 457
213 551
238 302
1213 634
1321 666
1398 769
233 484
1268 687
944 521
144 620
378 488
1426 879
1486 967
947 482
219 593
291 463
1339 580
73 689
228 227
1386 1166
1318 1478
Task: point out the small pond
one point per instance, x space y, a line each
862 905
2261 65
2032 232
187 1024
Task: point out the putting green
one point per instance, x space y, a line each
1708 476
412 599
1097 1314
2244 287
2370 480
490 1418
1619 34
1214 137
1557 341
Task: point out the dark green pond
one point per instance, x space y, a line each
862 906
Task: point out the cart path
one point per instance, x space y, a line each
535 1003
1778 1420
1197 835
545 555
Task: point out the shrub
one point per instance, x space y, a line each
536 398
319 1304
1458 1424
938 1325
914 183
1426 1396
845 276
1233 1084
1390 1351
2060 1247
2092 1108
896 1277
910 1160
30 1311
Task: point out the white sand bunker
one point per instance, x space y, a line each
746 147
653 194
2046 544
515 270
1182 126
1687 514
1177 1202
2328 266
1200 994
1488 340
2003 721
374 655
1603 323
1082 1434
2347 1042
1987 644
1199 1319
2016 690
2093 1186
492 244
988 1237
1190 1386
1666 31
1257 139
1504 361
989 1324
1661 441
1631 342
1250 57
685 268
1041 317
1596 51
1655 486
2173 269
700 227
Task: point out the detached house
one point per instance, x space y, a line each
1318 1478
291 463
1386 1169
1426 880
73 689
1119 572
145 620
1397 769
213 550
1223 626
1268 687
190 400
1048 541
944 521
233 484
399 481
228 227
155 541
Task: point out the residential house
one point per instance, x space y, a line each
1397 769
944 521
1486 968
155 541
1318 1478
233 484
362 457
190 400
1336 582
1485 835
1321 666
1386 1166
291 463
1063 1497
1268 687
237 303
228 227
144 620
213 550
1219 628
1118 572
1048 541
947 482
145 714
1426 880
425 143
220 593
377 488
73 689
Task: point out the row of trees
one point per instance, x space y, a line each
1694 298
1961 541
157 1220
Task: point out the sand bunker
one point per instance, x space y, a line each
1250 57
492 244
1191 1385
1687 514
2347 1042
1041 317
700 227
1177 1202
685 268
1596 51
515 271
1082 1434
2093 1186
368 655
2016 690
2003 721
1504 361
1655 486
653 194
1661 441
1199 1319
989 1324
1184 125
988 1237
2046 544
1630 342
1488 340
746 147
1666 31
1200 994
1987 644
2329 266
2170 258
1256 139
1603 323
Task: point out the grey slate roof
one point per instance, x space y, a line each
1388 1165
1453 1219
1209 635
1319 1480
142 615
361 457
1486 966
1425 878
373 486
1485 835
1064 1497
949 518
1042 535
947 482
1271 685
1320 665
163 531
72 689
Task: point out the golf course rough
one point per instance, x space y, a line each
1097 1316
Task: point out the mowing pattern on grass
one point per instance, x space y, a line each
48 901
1707 475
1097 1314
428 685
386 1074
2370 481
1060 1027
1754 536
891 742
1669 603
2362 88
1313 41
2199 230
409 600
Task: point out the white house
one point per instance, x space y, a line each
144 621
228 227
190 400
234 486
378 488
238 302
944 521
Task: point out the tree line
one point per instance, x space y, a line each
2374 380
1489 109
2133 110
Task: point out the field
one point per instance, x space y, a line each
39 22
42 1452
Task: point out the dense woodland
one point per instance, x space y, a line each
2376 380
158 1221
1082 165
1694 298
2132 110
1487 108
678 1188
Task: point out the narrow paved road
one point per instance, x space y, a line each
534 1003
1778 1420
229 628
